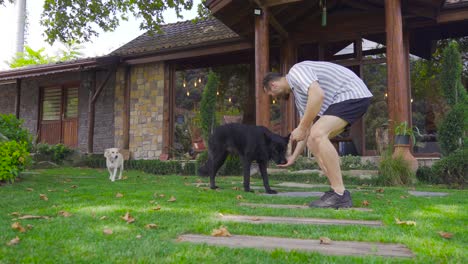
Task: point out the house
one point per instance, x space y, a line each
126 99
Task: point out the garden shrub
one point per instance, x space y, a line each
453 128
453 169
394 171
13 158
304 163
189 168
57 153
208 106
11 128
426 174
350 162
232 166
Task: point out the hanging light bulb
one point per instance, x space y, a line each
274 101
199 79
230 100
386 95
217 92
411 100
188 93
184 84
195 84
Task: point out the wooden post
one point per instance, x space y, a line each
91 111
262 63
126 109
169 105
288 109
18 98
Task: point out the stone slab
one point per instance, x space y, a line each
339 248
297 220
296 194
296 206
301 185
427 194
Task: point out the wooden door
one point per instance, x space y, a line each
59 116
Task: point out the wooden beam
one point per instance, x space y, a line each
126 108
91 113
288 110
268 3
453 15
225 48
18 98
169 106
98 92
276 25
262 65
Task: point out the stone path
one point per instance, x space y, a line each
346 248
296 220
301 185
296 194
296 206
428 194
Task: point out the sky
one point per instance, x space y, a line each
101 45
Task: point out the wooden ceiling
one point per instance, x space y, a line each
347 20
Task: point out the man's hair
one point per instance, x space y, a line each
269 77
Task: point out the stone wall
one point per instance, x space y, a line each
146 110
7 98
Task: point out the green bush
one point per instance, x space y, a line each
57 153
453 128
304 163
426 174
11 128
189 168
232 166
453 169
350 162
208 106
13 158
394 171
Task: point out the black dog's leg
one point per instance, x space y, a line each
263 170
217 162
246 163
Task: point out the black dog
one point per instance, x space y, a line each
250 143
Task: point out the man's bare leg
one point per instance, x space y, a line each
324 151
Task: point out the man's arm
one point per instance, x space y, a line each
314 103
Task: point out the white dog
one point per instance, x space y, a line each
114 161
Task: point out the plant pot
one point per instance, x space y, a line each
402 139
404 150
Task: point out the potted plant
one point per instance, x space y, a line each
403 134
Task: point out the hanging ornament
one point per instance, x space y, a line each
323 5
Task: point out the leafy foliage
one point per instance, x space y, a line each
426 174
394 171
14 156
453 128
57 153
35 57
208 106
450 76
11 128
78 19
453 168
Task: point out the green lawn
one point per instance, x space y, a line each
80 238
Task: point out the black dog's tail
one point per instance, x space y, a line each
203 170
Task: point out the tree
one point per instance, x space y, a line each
208 106
35 57
77 20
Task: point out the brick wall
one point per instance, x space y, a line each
7 98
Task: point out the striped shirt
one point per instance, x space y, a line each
338 83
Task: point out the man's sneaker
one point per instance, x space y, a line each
333 200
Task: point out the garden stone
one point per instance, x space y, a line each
297 220
296 194
428 194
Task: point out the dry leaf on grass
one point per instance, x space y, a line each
256 219
14 241
138 236
221 232
172 199
65 190
15 214
408 223
235 188
325 240
380 190
446 235
365 203
151 226
107 231
17 226
187 184
124 177
103 217
29 226
157 208
119 195
43 197
128 218
199 181
239 197
64 213
29 189
74 187
162 195
32 217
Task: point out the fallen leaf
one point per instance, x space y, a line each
64 213
256 219
107 231
380 190
365 203
14 241
68 180
408 223
235 188
199 181
172 199
119 195
51 190
162 195
446 235
32 217
15 214
43 197
221 232
151 226
138 236
17 226
124 177
29 226
29 189
187 184
325 240
128 218
239 197
65 190
157 208
74 187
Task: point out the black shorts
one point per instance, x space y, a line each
349 110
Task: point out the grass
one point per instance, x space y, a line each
80 238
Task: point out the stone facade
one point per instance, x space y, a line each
146 110
7 98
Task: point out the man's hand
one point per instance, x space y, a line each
298 134
290 162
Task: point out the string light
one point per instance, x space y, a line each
217 92
188 93
195 84
199 79
230 101
386 95
274 101
184 84
411 100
